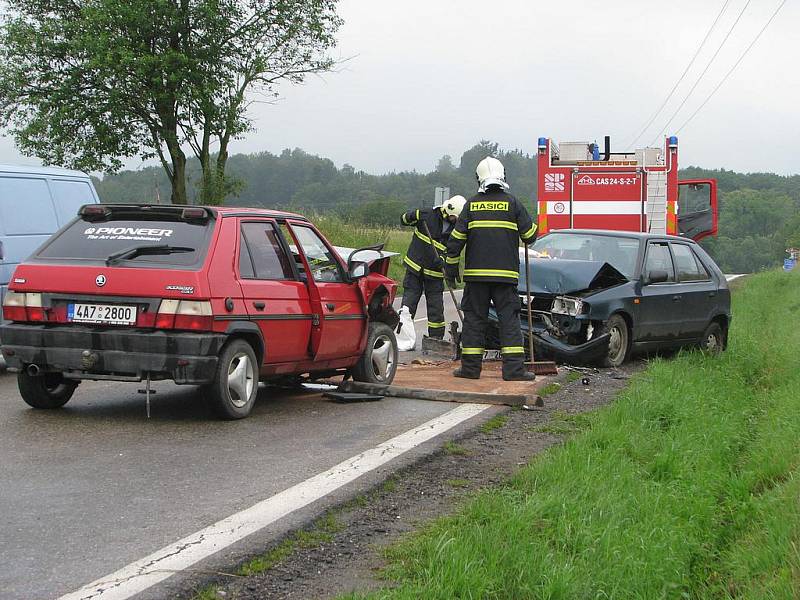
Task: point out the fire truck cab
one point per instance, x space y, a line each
581 187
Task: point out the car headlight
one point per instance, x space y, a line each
564 305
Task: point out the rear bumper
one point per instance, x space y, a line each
124 355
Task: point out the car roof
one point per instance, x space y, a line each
239 211
639 235
33 170
218 211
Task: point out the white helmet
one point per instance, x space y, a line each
490 171
454 206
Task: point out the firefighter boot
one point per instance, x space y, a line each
465 374
514 370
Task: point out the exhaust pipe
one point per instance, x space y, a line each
608 148
33 370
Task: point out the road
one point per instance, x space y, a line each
96 486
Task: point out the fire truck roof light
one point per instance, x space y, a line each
542 142
673 140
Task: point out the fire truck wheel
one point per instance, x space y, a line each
235 386
619 343
46 391
378 364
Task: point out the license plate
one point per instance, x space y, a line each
106 314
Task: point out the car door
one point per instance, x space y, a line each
659 310
340 322
697 208
274 296
697 290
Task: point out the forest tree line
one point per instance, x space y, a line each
759 212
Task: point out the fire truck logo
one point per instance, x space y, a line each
554 182
585 180
559 207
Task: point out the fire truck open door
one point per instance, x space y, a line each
697 208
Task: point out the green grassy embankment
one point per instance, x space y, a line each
687 486
342 233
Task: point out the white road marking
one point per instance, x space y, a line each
144 573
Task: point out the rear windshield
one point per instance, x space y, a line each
126 241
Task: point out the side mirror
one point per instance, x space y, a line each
358 270
657 277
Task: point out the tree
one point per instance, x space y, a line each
86 83
445 165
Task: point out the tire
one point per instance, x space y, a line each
619 344
46 391
235 387
378 363
713 340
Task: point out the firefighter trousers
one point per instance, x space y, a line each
475 304
417 284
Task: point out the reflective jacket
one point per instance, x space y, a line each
426 255
491 225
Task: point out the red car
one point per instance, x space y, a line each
216 297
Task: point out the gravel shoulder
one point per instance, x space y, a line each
343 551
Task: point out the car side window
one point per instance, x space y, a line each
266 258
687 264
324 266
659 259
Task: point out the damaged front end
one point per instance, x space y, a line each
565 327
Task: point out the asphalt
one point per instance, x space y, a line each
96 485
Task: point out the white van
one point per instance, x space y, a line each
34 203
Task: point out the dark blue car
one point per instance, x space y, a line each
599 296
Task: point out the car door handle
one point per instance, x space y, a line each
712 294
330 306
259 305
676 298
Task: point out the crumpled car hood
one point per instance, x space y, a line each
560 276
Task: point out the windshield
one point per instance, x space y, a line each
619 252
131 242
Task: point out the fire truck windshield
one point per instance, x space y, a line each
619 252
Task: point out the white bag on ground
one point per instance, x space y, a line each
405 333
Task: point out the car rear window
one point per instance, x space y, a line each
180 243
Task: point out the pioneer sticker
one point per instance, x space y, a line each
135 234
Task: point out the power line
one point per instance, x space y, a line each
733 68
680 79
696 83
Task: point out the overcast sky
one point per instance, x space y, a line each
428 78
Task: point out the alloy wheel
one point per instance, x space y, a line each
241 379
382 357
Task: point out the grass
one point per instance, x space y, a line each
562 423
457 483
687 486
496 422
454 449
549 389
342 233
322 532
573 376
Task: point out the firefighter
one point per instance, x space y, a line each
424 259
491 225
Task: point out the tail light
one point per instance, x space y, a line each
19 306
185 314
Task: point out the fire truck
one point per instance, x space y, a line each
582 187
